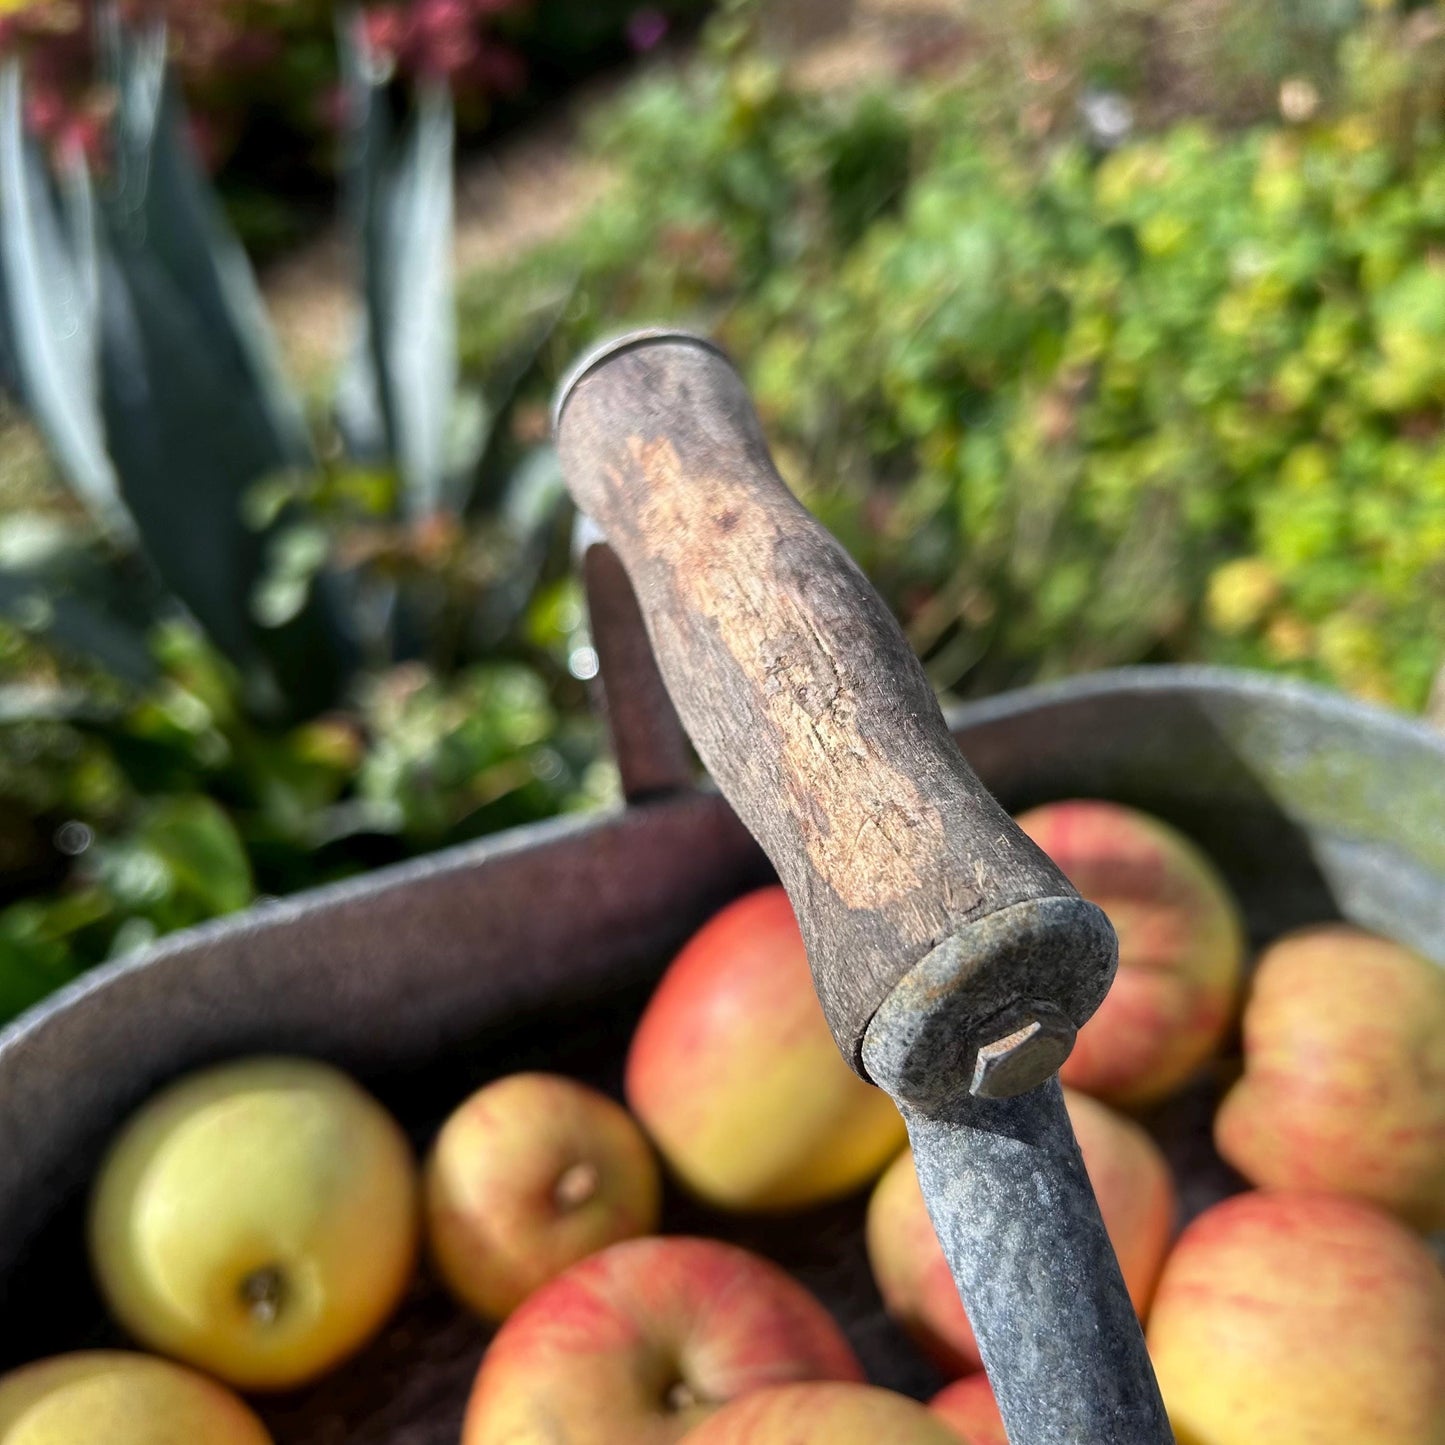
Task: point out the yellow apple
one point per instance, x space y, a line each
108 1397
1301 1319
258 1219
1344 1074
531 1174
734 1074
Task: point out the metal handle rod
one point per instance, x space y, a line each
1013 1208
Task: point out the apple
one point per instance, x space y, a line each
825 1413
735 1076
529 1175
118 1398
645 1340
1181 947
1301 1319
1136 1198
1344 1074
258 1219
968 1406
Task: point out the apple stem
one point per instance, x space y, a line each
263 1292
577 1185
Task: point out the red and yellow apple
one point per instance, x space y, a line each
735 1076
531 1174
258 1219
1301 1319
1344 1074
1181 947
825 1414
1136 1198
109 1397
645 1340
968 1406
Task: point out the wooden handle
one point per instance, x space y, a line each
811 712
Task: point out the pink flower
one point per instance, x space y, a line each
383 28
45 111
443 37
81 137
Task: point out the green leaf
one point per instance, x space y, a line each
163 203
202 851
54 580
43 702
183 863
34 957
9 361
195 410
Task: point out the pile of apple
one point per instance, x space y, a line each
259 1221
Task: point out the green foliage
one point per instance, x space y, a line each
397 397
145 361
1074 406
142 353
166 808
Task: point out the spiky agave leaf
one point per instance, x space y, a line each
397 396
196 410
163 202
47 279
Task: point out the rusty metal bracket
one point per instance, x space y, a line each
653 755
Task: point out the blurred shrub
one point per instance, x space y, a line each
1076 400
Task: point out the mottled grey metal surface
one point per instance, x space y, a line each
1014 1210
917 1037
1016 1215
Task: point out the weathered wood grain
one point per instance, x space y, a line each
802 695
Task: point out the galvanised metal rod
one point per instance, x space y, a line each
1013 1208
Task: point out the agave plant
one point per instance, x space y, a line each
296 623
132 332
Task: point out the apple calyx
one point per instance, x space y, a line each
681 1396
263 1294
577 1185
